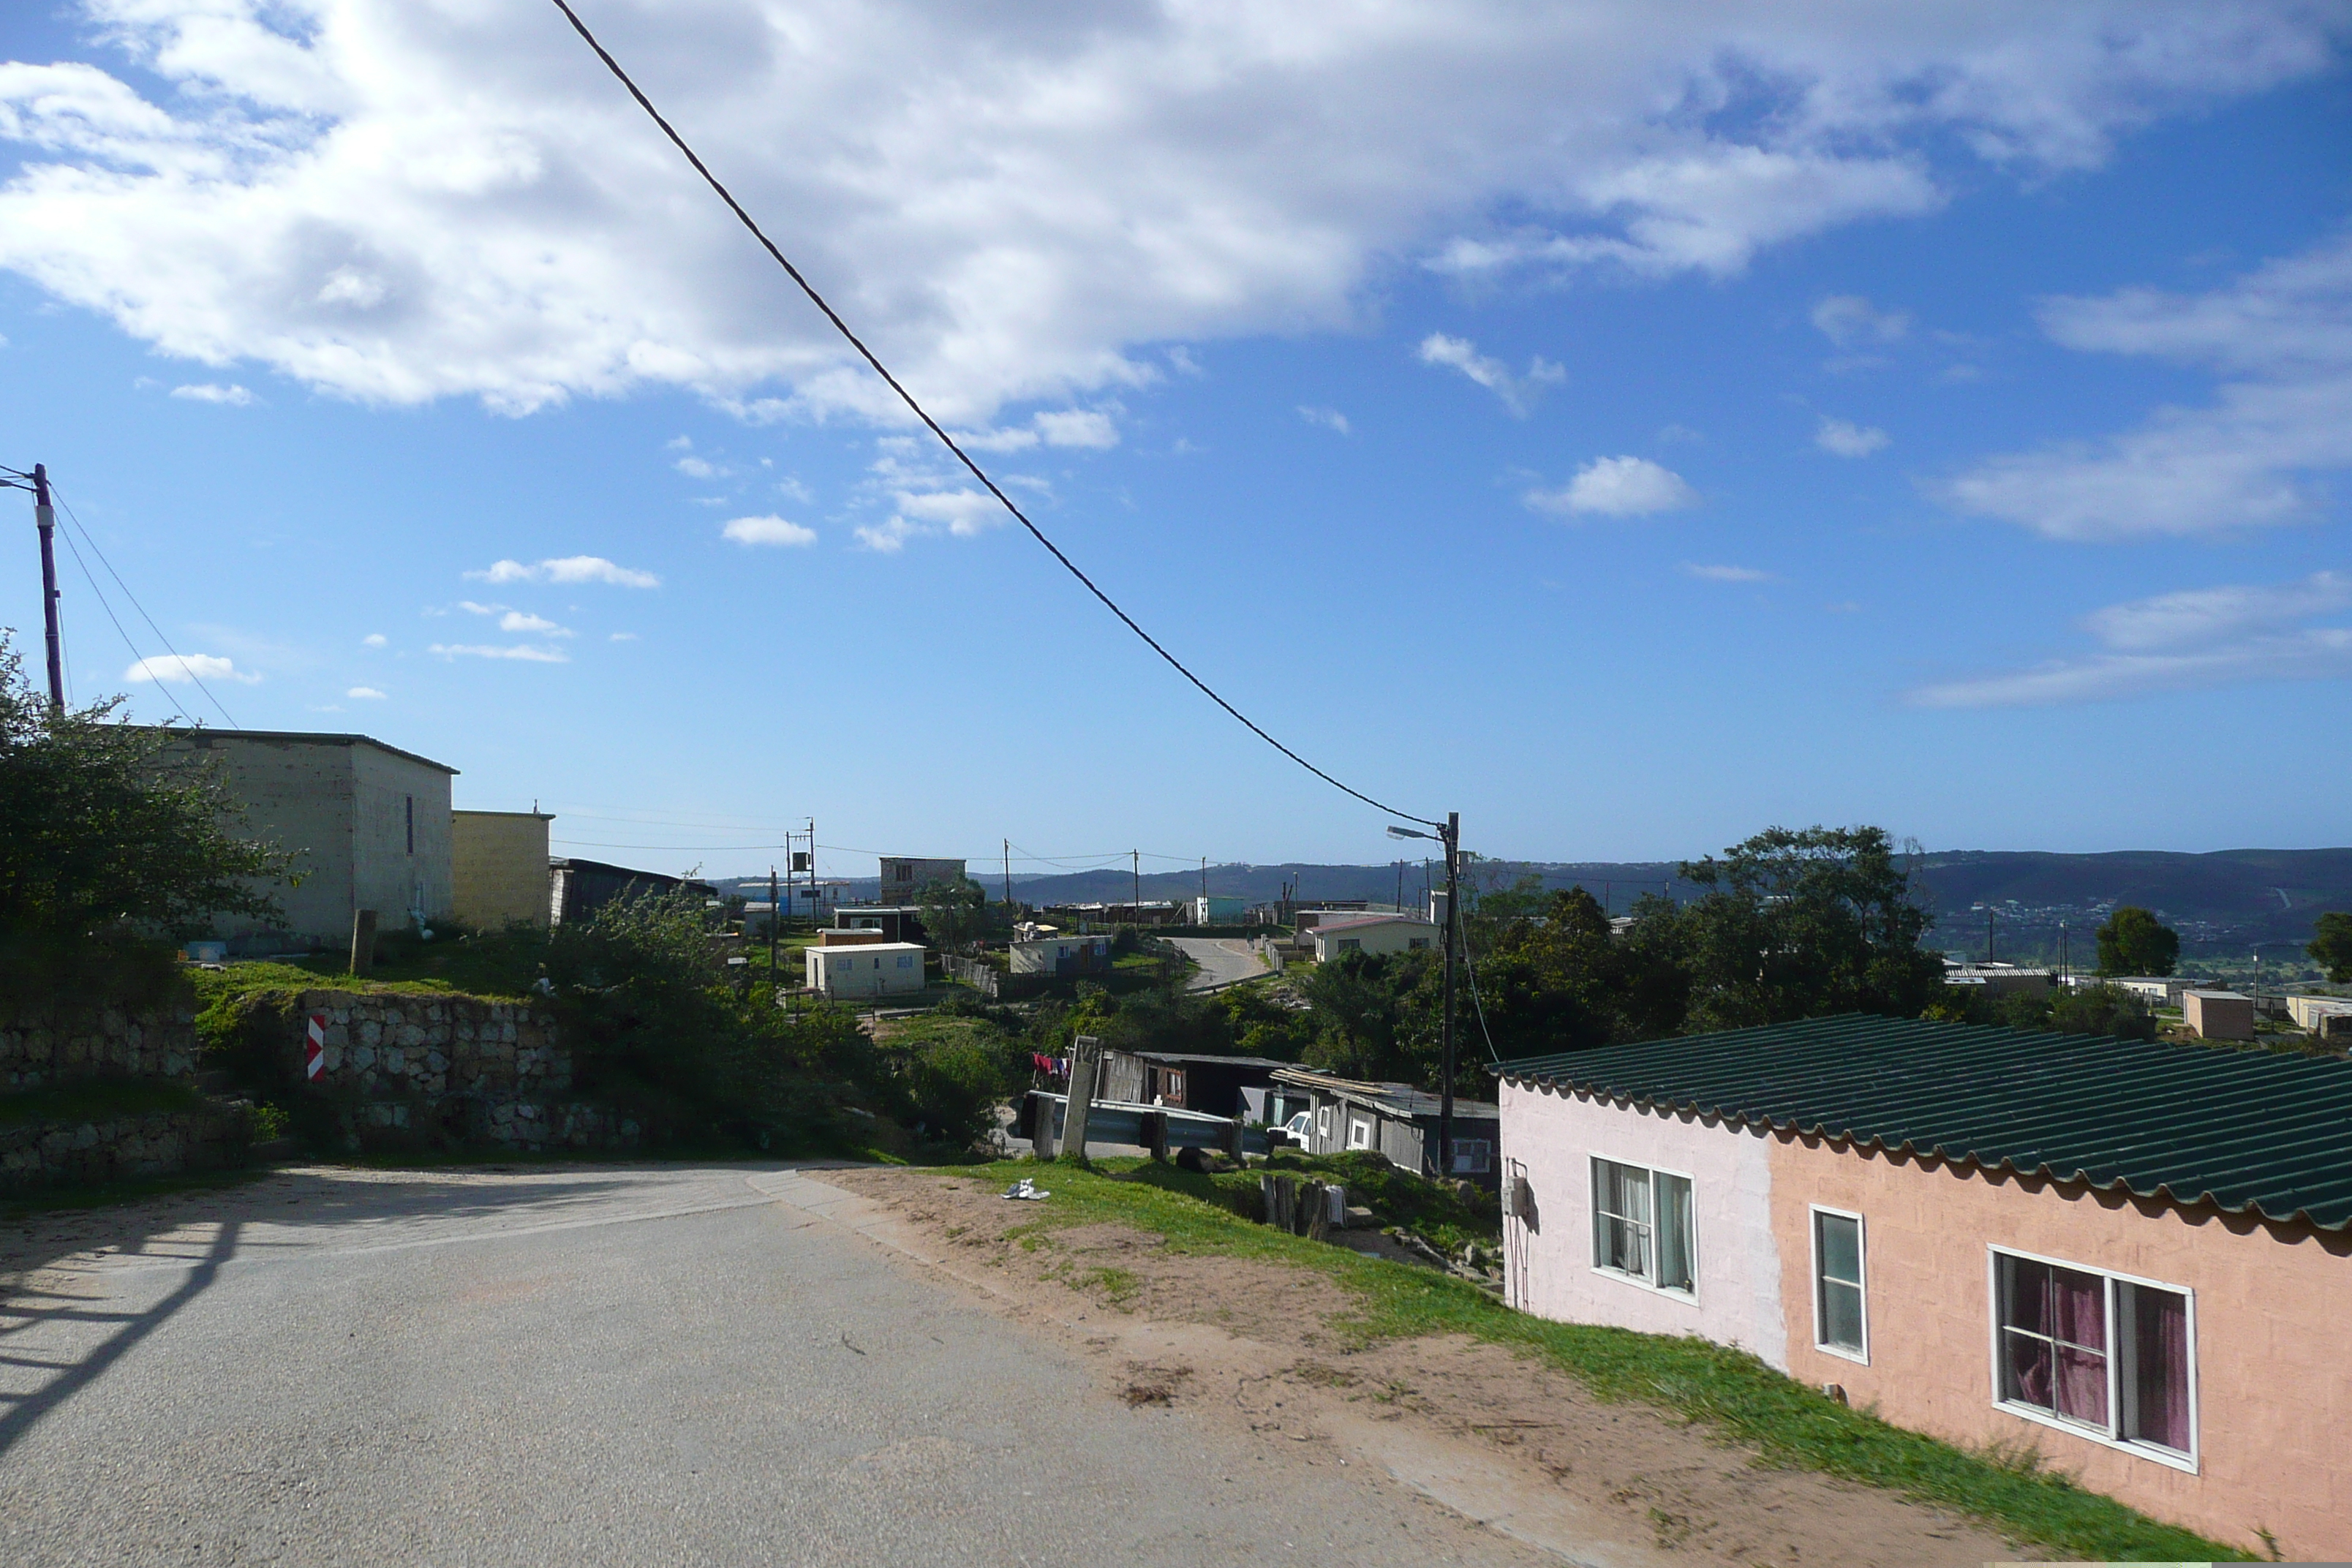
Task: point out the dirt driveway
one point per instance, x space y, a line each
1521 1449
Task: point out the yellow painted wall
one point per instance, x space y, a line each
498 860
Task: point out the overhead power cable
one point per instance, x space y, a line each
186 668
945 439
137 658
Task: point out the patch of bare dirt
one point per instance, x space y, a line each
1513 1444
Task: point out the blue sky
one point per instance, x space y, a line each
1928 416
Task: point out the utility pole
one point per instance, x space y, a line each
1135 865
1452 943
775 921
44 518
1008 874
1987 933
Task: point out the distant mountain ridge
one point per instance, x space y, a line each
2229 898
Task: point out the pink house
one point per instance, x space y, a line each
2132 1256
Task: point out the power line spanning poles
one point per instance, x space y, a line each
44 518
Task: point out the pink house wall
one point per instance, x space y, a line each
2273 1304
2273 1311
1554 1135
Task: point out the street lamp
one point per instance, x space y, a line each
1451 836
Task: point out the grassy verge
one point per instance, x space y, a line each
1731 1393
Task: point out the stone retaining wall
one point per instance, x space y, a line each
43 1050
35 1154
416 1064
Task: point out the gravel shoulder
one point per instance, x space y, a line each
1252 1346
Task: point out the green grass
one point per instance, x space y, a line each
1732 1394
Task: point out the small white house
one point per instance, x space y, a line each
1371 934
867 970
1216 910
2312 1012
2156 990
1059 954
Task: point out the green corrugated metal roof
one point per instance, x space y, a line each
2243 1129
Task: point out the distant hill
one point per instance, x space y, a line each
2221 903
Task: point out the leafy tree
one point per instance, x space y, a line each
2133 942
955 912
2090 1010
109 835
1798 924
2331 946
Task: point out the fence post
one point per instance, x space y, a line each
1155 1135
1085 1056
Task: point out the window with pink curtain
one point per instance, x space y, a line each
2057 1355
2053 1333
2157 1392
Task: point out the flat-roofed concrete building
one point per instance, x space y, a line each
2218 1014
498 867
369 821
865 971
904 876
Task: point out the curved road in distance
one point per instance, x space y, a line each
1223 960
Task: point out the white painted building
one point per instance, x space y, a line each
865 969
2156 990
1058 954
2310 1012
1371 933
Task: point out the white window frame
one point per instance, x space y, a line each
1862 1256
1592 1208
1486 1147
2190 1461
1360 1125
1322 1121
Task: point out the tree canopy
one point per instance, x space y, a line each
2331 945
955 911
2133 942
107 832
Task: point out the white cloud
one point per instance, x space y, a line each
568 569
205 392
1617 487
1517 392
2195 639
1846 440
963 512
1089 427
1726 574
369 692
1851 321
695 468
2250 458
176 670
624 636
523 651
679 444
396 203
521 622
374 640
1330 418
770 530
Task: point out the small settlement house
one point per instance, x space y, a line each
1395 1119
2131 1256
1051 952
858 965
1335 934
1186 1080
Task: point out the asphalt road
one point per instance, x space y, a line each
1223 960
622 1366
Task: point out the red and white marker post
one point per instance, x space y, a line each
314 1047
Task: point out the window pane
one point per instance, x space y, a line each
1841 1315
1839 1240
2025 1371
2083 1384
1676 1266
2078 1309
2025 1295
2160 1383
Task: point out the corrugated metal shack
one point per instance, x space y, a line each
1184 1081
1397 1119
